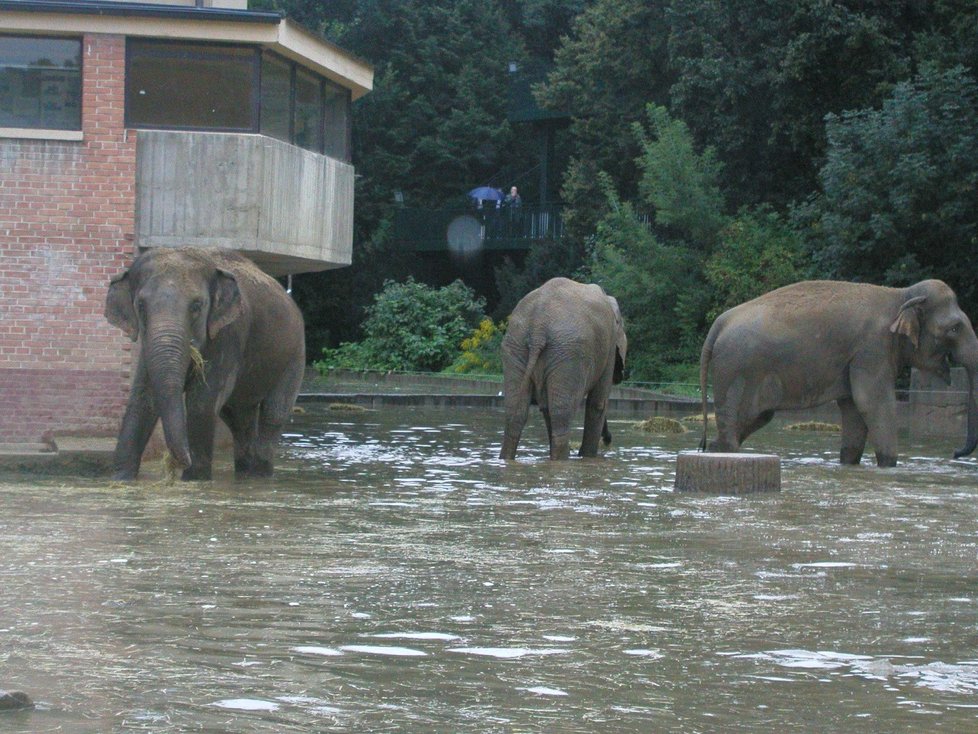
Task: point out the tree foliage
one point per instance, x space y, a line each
714 149
898 187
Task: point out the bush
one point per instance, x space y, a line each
481 350
411 327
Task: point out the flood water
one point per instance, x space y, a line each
395 577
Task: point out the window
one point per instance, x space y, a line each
40 83
199 86
303 108
337 122
276 98
191 86
308 111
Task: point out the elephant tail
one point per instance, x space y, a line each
705 357
533 354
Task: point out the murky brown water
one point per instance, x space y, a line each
395 577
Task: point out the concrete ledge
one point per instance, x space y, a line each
68 455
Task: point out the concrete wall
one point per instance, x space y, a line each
288 209
66 214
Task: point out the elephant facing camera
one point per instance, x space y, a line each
217 337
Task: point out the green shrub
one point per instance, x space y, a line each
411 327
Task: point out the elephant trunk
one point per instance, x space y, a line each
972 439
168 358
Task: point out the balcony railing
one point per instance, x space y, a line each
288 209
468 230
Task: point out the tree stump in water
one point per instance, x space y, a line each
15 701
728 473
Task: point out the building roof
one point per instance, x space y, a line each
114 7
269 29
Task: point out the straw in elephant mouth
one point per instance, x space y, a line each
197 364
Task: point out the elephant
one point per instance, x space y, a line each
565 343
217 336
816 341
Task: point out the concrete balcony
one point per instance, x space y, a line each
288 209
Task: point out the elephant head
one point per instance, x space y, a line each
621 343
938 333
173 303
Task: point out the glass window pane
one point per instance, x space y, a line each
337 122
308 111
40 83
276 98
191 86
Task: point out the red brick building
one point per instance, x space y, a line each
125 126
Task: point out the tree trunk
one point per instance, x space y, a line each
728 473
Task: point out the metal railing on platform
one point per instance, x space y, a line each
467 230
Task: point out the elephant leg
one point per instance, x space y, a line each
274 414
561 406
200 435
595 411
726 407
517 408
854 432
137 426
755 425
243 424
875 400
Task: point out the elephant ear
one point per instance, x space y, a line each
226 302
908 320
618 376
118 306
621 344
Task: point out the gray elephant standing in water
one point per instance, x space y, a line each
565 343
219 306
817 341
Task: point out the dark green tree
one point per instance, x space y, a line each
899 183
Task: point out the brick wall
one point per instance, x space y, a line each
66 222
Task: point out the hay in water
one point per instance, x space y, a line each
814 426
697 420
660 425
168 468
347 407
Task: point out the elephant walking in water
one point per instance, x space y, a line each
565 344
816 341
217 336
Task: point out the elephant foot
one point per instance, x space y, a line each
850 456
252 468
885 460
721 447
196 474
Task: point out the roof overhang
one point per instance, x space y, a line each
173 22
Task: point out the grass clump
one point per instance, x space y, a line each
697 420
347 408
814 426
661 425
